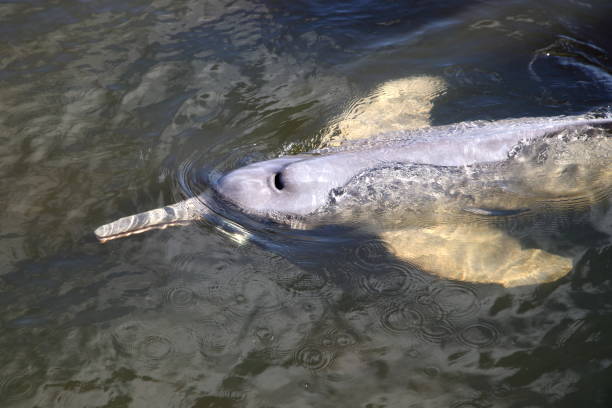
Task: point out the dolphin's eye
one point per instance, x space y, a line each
278 182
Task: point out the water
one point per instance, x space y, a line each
107 105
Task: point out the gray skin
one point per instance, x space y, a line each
302 191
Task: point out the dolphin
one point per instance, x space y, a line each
469 173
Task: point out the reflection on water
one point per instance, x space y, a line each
103 102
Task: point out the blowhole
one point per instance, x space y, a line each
278 182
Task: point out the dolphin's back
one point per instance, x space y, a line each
498 169
463 143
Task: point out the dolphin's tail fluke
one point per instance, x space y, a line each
181 213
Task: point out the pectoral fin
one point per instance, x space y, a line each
395 105
476 253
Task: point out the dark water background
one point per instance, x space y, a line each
102 104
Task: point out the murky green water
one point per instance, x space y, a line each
102 104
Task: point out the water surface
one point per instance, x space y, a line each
105 104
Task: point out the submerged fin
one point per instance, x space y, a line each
395 105
476 253
495 212
181 213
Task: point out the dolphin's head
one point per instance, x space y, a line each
278 190
288 186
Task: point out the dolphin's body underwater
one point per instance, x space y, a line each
472 171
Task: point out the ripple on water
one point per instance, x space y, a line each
479 334
336 338
250 293
276 338
205 286
155 348
277 268
374 272
436 331
401 318
456 300
312 284
345 340
264 335
213 338
309 309
372 253
418 313
16 387
389 279
180 297
147 344
313 357
127 336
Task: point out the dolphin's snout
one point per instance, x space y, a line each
181 213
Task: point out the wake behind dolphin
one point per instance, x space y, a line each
417 179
